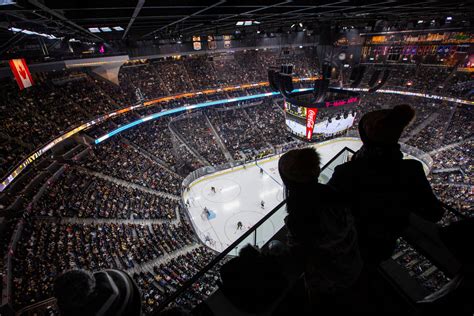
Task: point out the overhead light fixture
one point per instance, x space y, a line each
118 28
247 23
258 31
420 21
301 46
7 2
106 29
94 30
293 25
449 18
28 32
301 24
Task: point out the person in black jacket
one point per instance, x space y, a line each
321 231
109 292
383 188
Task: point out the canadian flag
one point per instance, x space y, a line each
21 72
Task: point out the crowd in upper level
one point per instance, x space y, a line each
61 100
138 174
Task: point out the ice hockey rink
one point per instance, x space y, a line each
238 197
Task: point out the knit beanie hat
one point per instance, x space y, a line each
299 166
104 293
384 127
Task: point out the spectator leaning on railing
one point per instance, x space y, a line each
383 188
321 230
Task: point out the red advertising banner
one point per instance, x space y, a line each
21 72
310 119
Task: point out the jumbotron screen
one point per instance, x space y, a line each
335 117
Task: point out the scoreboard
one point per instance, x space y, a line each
330 117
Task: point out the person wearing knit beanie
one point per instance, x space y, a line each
321 231
384 189
104 293
384 127
299 167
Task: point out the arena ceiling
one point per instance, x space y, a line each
152 19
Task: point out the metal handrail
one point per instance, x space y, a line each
224 253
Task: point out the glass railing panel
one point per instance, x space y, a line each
258 235
328 170
250 239
268 229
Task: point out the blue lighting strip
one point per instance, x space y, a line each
186 108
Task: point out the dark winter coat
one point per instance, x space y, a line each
383 190
323 236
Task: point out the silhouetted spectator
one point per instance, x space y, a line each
252 280
107 293
383 187
321 229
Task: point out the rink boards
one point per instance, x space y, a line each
238 197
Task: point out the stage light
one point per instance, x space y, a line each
449 18
420 21
301 24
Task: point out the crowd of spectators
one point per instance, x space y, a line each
155 137
269 118
120 160
426 139
199 135
166 278
461 126
419 267
240 136
79 194
420 78
61 100
47 248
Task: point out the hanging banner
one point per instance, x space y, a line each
310 119
21 72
